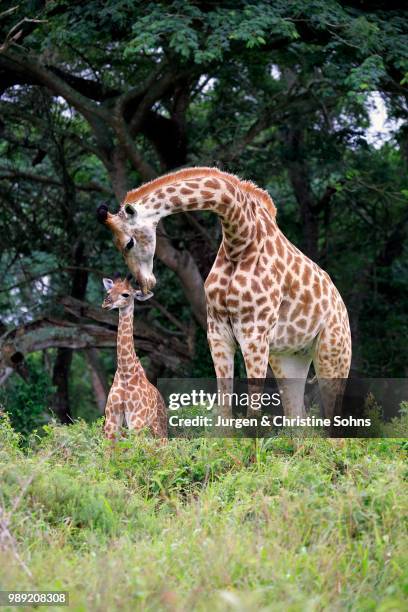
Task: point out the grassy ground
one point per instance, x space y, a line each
206 524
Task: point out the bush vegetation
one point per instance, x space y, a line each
205 524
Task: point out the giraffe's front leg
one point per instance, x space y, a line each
222 346
255 352
113 418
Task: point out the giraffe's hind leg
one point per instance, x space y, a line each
291 373
332 358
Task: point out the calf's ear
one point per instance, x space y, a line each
107 283
141 297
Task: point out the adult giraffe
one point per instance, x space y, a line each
262 292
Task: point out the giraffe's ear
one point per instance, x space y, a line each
141 297
107 283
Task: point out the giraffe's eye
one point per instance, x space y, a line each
125 294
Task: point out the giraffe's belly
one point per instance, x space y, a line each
283 337
288 338
295 329
292 348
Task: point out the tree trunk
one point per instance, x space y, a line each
299 177
60 380
62 366
94 328
98 378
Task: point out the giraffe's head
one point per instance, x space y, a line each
120 293
134 231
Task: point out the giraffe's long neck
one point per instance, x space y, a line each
128 362
233 206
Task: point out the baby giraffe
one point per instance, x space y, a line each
131 397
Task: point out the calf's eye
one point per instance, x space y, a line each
125 294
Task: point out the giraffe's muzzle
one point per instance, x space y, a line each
107 303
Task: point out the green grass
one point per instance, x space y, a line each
207 524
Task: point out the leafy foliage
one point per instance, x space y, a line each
28 403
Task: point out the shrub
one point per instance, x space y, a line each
27 403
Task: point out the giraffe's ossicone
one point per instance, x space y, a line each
262 294
132 398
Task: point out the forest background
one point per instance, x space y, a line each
306 98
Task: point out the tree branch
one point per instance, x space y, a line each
36 71
31 279
325 199
45 333
83 310
7 173
183 264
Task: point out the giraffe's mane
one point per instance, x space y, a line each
193 173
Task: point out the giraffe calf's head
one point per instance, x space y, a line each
120 293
